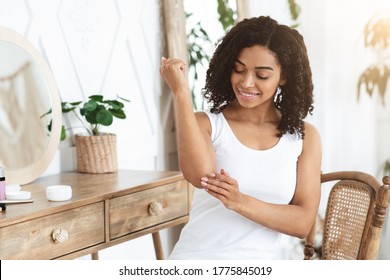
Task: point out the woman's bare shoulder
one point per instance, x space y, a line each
312 136
203 121
311 130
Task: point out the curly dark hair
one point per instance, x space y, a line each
295 100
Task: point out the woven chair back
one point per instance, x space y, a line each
345 221
354 218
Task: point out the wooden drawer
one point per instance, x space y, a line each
34 239
144 209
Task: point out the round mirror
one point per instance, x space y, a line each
27 92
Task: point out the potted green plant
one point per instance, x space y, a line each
95 150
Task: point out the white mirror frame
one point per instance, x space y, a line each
31 172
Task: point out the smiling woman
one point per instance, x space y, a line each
253 160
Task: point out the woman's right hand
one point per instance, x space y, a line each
174 72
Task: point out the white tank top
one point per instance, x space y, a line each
215 232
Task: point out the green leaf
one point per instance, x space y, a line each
67 110
226 14
104 117
90 105
199 56
69 107
75 103
63 133
386 167
90 116
205 35
100 107
116 105
97 98
294 26
123 99
50 125
47 113
120 114
295 9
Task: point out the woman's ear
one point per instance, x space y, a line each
282 82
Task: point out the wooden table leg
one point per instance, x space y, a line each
157 245
95 256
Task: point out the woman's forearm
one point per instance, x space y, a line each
196 157
289 219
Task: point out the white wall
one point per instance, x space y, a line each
109 47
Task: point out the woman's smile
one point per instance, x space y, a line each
247 95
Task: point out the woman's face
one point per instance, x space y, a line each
255 76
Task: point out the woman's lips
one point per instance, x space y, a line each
247 94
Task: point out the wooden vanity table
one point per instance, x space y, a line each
105 210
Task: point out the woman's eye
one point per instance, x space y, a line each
239 70
261 77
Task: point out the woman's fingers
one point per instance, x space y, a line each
173 71
217 185
224 177
172 63
222 180
218 196
215 188
223 172
223 187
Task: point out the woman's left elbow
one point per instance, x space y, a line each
303 230
303 234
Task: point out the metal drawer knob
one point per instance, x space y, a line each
59 235
155 208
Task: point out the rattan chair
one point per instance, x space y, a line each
355 213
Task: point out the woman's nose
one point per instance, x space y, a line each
248 81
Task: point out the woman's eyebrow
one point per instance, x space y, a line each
257 67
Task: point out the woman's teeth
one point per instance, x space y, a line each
248 94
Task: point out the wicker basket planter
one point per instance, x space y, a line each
96 154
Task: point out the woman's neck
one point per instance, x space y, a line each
266 113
